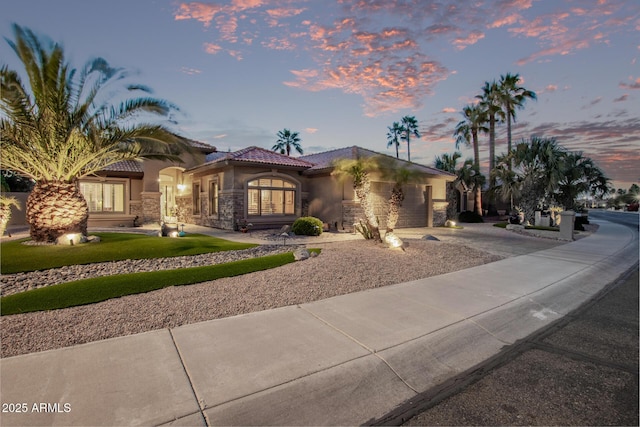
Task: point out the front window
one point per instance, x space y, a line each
103 197
271 196
213 197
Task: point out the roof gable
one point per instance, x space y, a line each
324 161
256 155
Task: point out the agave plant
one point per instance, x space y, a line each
66 124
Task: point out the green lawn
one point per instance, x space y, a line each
16 257
98 289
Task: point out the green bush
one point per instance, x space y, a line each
307 226
469 216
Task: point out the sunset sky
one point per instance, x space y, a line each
339 72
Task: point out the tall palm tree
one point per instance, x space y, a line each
512 96
359 171
65 125
286 141
409 127
492 107
490 103
392 137
466 132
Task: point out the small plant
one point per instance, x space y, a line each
5 211
469 216
307 226
364 229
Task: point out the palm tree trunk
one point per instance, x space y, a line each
56 208
477 200
363 192
408 147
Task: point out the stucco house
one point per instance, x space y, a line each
255 185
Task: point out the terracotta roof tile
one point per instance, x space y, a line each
125 166
256 155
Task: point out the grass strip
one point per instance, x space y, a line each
16 257
89 291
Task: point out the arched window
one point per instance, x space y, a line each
271 196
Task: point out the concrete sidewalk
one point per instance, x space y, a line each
340 361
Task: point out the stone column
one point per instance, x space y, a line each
151 207
567 219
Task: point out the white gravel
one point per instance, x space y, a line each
341 268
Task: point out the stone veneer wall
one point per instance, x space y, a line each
135 208
150 207
439 213
230 208
184 207
351 213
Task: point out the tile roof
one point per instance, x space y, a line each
200 145
323 161
256 155
125 166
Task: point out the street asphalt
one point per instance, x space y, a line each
348 360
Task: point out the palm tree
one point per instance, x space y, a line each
538 164
470 174
512 96
490 103
409 127
392 137
507 183
492 107
358 170
466 132
64 125
286 141
580 175
400 176
448 162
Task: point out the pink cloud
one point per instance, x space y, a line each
212 48
633 85
202 12
462 42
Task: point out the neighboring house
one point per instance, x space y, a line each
253 185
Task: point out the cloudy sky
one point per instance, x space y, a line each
341 71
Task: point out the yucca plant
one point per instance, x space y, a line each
67 124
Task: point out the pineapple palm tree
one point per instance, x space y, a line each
409 127
512 96
359 170
466 132
66 125
286 141
392 137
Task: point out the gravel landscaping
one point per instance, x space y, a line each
341 268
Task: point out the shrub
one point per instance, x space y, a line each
307 226
469 216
